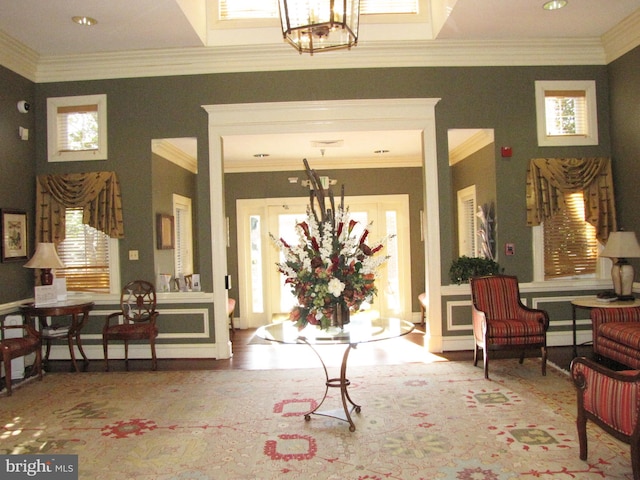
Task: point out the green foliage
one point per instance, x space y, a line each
465 267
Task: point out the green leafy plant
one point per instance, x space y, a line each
465 267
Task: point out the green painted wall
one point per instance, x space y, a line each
142 109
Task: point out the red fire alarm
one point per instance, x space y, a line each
506 152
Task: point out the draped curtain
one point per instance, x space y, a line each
549 179
97 193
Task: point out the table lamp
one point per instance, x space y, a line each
622 245
45 259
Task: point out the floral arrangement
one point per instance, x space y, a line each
330 269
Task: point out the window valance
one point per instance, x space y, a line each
97 193
548 179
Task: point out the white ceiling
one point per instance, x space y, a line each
44 28
45 25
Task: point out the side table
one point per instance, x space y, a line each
592 302
79 313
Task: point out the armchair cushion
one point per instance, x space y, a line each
616 334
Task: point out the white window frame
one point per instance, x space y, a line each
589 87
53 148
467 241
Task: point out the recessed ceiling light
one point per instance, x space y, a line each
554 4
85 21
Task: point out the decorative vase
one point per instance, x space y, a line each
340 315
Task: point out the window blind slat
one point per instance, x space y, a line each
570 244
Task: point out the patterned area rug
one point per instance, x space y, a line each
418 421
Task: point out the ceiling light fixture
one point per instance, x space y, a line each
261 155
320 25
84 21
554 4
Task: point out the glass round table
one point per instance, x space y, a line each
361 329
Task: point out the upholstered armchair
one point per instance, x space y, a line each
611 400
138 313
19 346
502 321
616 334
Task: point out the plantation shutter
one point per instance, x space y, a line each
180 242
85 254
570 244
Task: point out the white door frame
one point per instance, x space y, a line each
325 116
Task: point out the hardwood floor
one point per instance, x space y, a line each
253 353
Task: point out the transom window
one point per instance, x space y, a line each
77 128
566 113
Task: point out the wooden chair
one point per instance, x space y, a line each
138 310
19 346
611 400
231 306
501 321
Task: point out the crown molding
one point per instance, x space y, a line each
321 163
281 57
172 153
17 57
205 60
471 146
623 38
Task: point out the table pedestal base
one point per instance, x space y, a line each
342 383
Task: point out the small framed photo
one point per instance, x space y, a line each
14 235
164 231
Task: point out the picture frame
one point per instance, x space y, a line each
14 235
164 231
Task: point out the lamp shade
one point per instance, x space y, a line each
621 245
318 25
45 257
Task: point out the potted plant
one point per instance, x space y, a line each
465 267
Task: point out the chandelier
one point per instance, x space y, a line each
319 25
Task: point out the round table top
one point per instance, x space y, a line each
593 302
359 330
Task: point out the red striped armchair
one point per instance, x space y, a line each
502 321
611 400
616 334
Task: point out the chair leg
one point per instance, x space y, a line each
522 356
485 355
154 360
233 329
106 355
38 363
581 423
126 355
475 354
544 361
7 370
635 460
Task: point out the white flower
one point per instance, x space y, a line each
335 287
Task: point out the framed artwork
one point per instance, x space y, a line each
14 235
164 231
